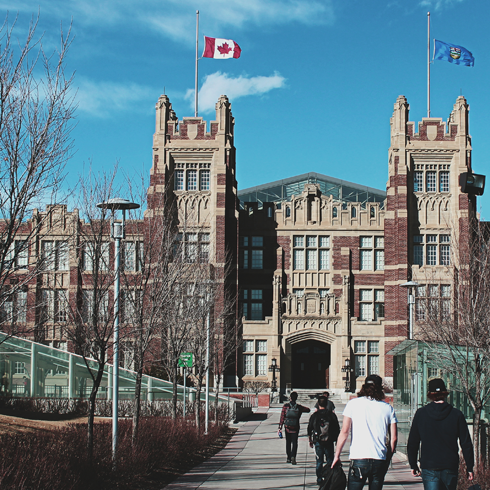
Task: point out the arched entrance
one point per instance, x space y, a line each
309 364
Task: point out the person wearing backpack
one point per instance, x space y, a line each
290 415
323 430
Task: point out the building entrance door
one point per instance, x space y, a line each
310 363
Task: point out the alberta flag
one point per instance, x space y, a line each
453 54
221 49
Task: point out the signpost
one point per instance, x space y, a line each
185 361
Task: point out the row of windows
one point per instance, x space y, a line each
434 181
311 252
431 250
192 180
192 248
55 255
366 357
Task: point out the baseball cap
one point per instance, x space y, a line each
437 386
374 379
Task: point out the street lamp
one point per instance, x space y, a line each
347 370
117 233
410 285
273 368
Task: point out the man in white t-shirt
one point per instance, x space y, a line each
371 422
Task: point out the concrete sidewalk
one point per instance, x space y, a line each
255 458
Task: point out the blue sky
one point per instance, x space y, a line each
312 92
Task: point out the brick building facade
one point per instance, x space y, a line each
317 264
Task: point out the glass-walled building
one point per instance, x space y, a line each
33 369
414 364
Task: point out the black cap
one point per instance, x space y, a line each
374 379
437 386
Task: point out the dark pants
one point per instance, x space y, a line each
321 451
361 470
439 479
291 444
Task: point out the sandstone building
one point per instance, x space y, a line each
316 263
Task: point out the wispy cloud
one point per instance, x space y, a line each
176 18
219 83
439 4
103 99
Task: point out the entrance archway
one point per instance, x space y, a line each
310 364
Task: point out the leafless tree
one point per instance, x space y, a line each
91 307
456 326
36 119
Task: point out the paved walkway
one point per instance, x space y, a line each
255 458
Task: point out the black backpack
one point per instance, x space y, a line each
292 416
325 427
333 478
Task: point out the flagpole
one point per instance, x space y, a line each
197 54
428 64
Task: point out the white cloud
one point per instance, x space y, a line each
103 99
219 83
176 18
438 4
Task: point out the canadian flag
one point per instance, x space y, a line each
221 49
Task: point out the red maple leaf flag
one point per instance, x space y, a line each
220 49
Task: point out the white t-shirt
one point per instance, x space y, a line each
371 422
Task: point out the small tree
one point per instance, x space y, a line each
91 308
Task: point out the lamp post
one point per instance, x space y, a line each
206 412
117 234
347 370
410 285
273 368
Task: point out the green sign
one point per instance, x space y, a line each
185 359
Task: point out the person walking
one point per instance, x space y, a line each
330 404
371 422
290 415
438 426
323 431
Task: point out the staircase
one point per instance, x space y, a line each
309 397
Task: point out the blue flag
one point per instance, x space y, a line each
453 54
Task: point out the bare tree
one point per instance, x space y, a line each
456 324
91 307
36 118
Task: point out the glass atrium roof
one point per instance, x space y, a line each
282 190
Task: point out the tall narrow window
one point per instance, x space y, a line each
179 180
418 182
205 179
431 181
192 180
444 181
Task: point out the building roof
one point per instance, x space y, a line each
282 190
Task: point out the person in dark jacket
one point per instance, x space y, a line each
330 404
438 426
290 415
323 449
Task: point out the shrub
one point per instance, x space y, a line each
58 460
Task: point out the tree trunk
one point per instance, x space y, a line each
476 434
137 405
174 391
198 406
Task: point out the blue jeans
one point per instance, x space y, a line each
439 479
361 470
322 450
